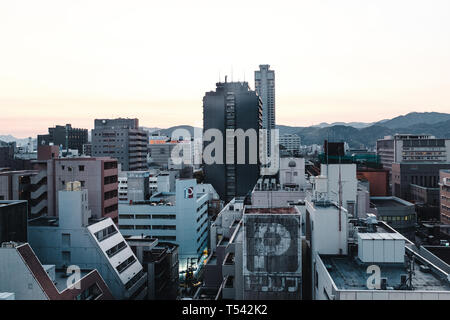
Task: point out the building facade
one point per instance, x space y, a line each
65 137
290 144
232 106
265 88
74 239
123 140
179 217
98 175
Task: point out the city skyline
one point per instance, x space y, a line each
333 61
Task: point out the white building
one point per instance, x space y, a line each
179 217
412 148
364 259
71 239
291 143
341 183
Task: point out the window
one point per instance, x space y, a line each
116 249
106 233
66 239
126 216
164 227
143 227
66 256
143 216
126 264
80 168
91 293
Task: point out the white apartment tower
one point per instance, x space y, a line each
265 88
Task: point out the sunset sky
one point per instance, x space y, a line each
348 60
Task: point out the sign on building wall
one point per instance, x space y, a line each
272 256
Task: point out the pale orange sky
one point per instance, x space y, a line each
348 60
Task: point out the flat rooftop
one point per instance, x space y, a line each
348 274
61 278
386 202
283 210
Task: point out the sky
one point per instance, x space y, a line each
348 60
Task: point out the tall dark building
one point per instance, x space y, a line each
233 106
65 136
122 139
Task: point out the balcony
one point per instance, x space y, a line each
228 291
36 194
38 208
228 268
38 177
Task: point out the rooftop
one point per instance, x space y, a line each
389 202
283 210
349 274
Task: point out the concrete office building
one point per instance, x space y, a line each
179 217
233 106
412 148
444 187
418 182
160 262
244 262
65 137
404 273
134 185
123 140
87 149
97 175
13 221
289 187
265 88
397 213
160 153
272 256
74 238
290 144
343 248
342 184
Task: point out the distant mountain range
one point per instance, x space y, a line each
397 122
355 133
437 124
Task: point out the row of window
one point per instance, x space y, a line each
147 227
126 264
148 216
411 217
106 233
116 249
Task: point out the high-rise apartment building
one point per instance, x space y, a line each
122 139
233 106
265 87
65 136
